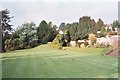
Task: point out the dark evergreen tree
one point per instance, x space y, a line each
67 38
5 20
99 24
46 32
62 25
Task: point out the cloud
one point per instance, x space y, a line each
60 1
60 11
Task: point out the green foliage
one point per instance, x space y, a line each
20 39
108 30
82 29
27 29
99 24
67 37
46 32
115 24
5 20
56 42
33 43
92 38
103 30
42 32
61 40
62 25
12 44
27 33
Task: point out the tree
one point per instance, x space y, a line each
46 32
103 30
67 37
72 28
5 22
55 27
27 33
93 27
42 31
84 27
51 32
27 30
99 24
62 25
115 25
81 29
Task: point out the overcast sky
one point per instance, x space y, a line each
58 11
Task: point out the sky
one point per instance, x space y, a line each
59 11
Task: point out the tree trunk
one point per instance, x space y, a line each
3 44
1 48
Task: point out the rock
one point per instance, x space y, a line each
82 45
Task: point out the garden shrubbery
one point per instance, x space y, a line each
92 39
33 43
17 44
61 40
56 42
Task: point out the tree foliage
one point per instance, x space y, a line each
5 22
81 29
67 38
61 40
99 24
46 32
115 24
27 30
103 30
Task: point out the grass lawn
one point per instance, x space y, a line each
47 62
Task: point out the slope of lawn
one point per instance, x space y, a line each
47 62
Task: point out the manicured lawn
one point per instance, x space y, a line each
47 62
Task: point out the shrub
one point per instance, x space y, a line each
92 38
16 42
56 42
7 45
33 43
22 46
67 38
103 30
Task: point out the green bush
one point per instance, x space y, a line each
22 46
33 43
56 42
92 38
7 45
